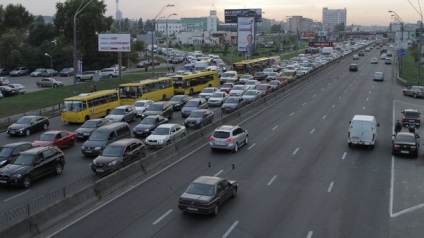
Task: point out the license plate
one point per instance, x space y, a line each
355 138
220 143
404 152
411 120
100 170
88 151
3 181
192 209
12 132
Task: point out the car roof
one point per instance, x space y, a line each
211 180
124 141
15 144
167 125
225 128
35 149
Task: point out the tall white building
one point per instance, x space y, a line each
333 17
212 21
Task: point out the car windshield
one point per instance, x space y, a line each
287 73
410 114
226 85
161 131
24 120
113 151
155 107
196 114
208 90
232 100
227 75
47 137
118 111
261 87
192 104
176 98
237 88
217 95
5 151
99 136
405 138
139 104
201 189
148 120
250 92
89 124
24 159
250 83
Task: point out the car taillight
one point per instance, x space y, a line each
211 138
413 147
396 146
230 140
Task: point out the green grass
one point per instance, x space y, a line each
409 70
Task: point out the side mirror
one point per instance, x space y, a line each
378 124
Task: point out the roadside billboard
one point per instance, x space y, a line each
231 15
321 44
114 42
246 35
307 35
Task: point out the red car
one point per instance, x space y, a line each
226 87
60 139
264 88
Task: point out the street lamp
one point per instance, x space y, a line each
167 44
420 12
401 22
51 60
74 50
154 26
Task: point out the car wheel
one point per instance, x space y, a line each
54 85
26 181
404 93
79 79
216 210
110 76
415 95
246 140
45 126
71 143
183 135
349 144
58 169
236 147
27 132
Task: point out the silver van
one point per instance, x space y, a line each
103 136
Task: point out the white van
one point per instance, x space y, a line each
362 131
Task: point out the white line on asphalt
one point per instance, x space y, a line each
314 95
250 147
369 92
275 127
322 89
162 217
219 172
291 114
304 104
344 155
310 234
272 180
333 106
312 131
324 116
17 195
330 187
230 229
367 99
363 108
295 151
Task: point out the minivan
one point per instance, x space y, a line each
362 131
162 108
103 136
289 75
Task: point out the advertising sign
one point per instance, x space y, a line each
114 42
321 44
246 35
231 15
307 35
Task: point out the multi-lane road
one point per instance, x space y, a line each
297 175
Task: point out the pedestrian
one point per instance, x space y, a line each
398 127
145 69
173 68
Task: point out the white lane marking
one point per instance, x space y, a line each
314 95
162 217
291 114
295 151
227 233
330 187
369 92
17 195
367 99
310 234
272 180
322 89
304 104
219 172
333 106
312 131
363 108
344 155
324 116
250 147
275 127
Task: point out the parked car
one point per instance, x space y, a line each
405 143
86 75
49 82
49 73
165 134
378 76
206 194
411 117
4 71
20 71
8 91
228 137
33 164
178 101
217 99
149 124
116 67
199 118
37 72
142 105
118 154
4 81
89 126
10 151
27 125
163 108
207 92
66 72
21 88
414 91
251 95
59 138
233 103
143 64
109 73
192 104
125 113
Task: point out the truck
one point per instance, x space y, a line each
201 65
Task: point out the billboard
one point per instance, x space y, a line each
246 35
231 15
307 35
321 44
114 42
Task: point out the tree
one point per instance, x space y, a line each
39 31
339 27
17 17
276 28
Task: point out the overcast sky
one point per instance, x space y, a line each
361 12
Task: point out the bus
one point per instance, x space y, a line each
190 83
255 65
86 106
153 89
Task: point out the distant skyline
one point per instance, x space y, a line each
359 12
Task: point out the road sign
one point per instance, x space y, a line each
401 52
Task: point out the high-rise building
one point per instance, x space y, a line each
333 17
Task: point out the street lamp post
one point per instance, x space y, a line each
154 26
167 44
421 33
401 23
51 60
74 50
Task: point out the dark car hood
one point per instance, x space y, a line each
152 112
18 126
11 169
144 126
94 143
196 197
105 159
195 119
229 105
84 130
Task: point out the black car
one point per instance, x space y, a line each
178 101
89 126
33 164
199 118
118 154
163 108
260 76
206 194
66 72
10 151
26 125
405 143
353 67
8 91
233 103
411 117
148 124
4 71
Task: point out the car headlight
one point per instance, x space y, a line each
82 147
86 133
112 163
97 148
16 176
160 141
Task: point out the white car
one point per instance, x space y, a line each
217 99
238 90
252 83
125 113
165 134
109 73
243 79
141 106
21 88
251 95
207 92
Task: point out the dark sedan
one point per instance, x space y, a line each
260 76
10 151
8 91
405 143
149 124
178 101
89 126
199 118
206 194
28 124
233 103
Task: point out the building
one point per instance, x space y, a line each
333 17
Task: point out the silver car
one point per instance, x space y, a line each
414 91
228 137
165 134
49 82
124 113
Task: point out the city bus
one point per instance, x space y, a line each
255 65
153 89
86 106
190 83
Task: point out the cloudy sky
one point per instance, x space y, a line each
362 12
